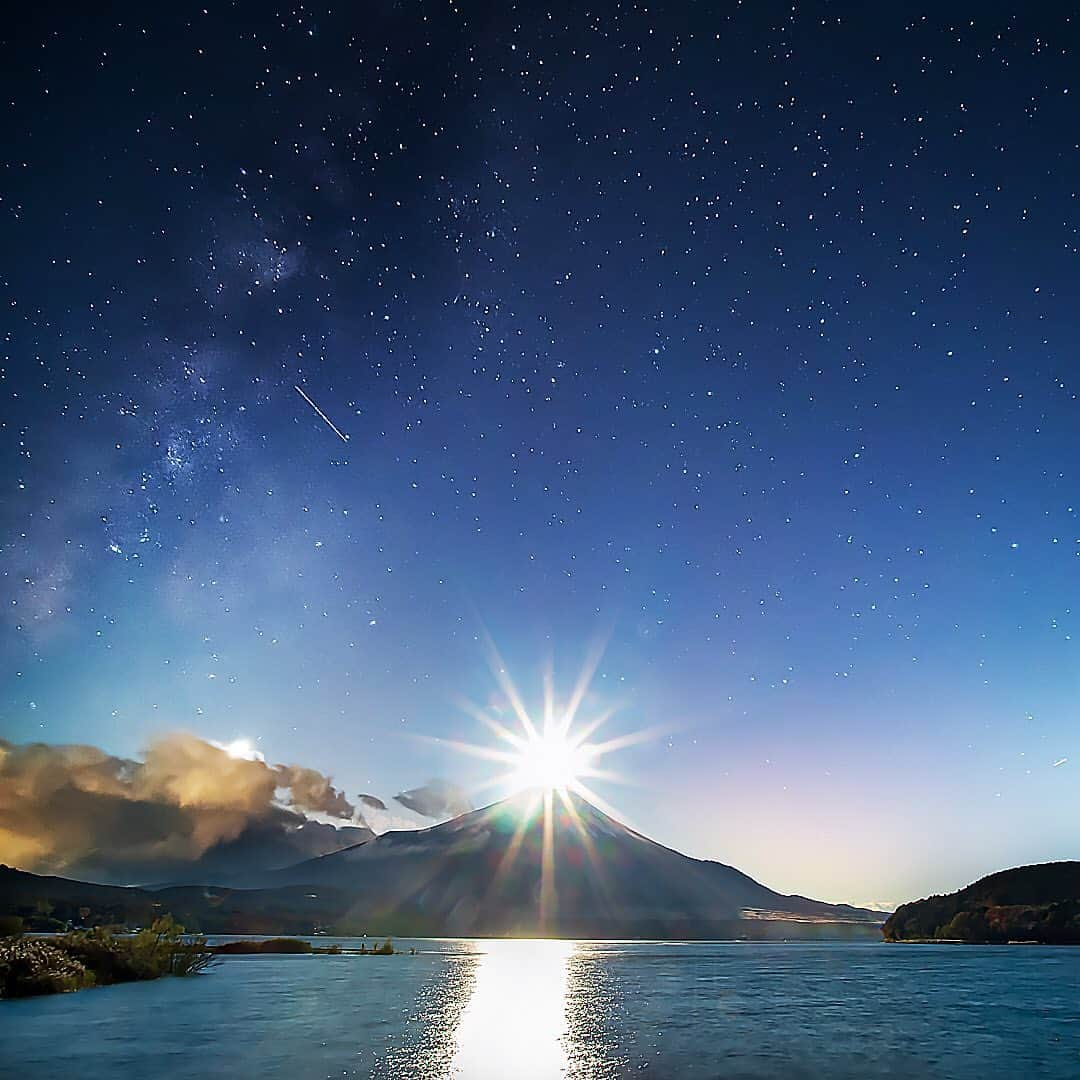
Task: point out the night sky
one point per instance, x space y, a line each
738 338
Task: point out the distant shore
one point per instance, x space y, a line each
961 941
287 946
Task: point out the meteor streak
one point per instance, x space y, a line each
343 438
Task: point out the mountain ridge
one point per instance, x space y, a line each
485 869
1039 902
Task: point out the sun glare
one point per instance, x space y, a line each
551 759
241 749
554 750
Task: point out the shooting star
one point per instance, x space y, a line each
343 438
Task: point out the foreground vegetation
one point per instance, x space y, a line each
1031 903
98 957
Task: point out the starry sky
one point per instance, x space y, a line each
737 339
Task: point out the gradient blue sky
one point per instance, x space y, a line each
742 340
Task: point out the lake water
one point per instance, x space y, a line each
525 1010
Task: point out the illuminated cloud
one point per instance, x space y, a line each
188 805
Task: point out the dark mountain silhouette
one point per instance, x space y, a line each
482 873
1030 903
52 903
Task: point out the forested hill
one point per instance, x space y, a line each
1030 903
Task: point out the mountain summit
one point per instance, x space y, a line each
572 871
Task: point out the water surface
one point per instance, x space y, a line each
597 1010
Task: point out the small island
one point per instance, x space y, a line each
1030 904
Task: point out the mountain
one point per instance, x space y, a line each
1029 903
51 903
482 874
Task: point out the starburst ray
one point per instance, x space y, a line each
489 753
588 670
506 863
579 825
548 896
591 726
549 698
498 729
591 796
620 742
595 863
506 684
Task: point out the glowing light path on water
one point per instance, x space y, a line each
515 1021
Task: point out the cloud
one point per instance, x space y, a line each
312 792
188 805
371 801
436 799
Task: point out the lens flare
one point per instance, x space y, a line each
552 759
555 753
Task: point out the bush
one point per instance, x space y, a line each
29 967
111 958
190 957
163 949
166 950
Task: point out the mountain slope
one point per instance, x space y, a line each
482 873
1030 903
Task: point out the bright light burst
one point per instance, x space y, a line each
554 753
242 749
551 759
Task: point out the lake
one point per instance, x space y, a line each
530 1010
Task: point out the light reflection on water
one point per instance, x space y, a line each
515 1021
476 1010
